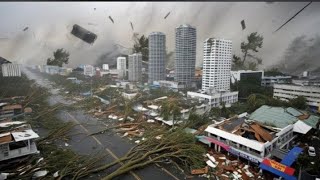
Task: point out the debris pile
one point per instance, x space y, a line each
228 167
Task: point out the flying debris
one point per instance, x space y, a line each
243 25
167 15
26 28
83 34
132 26
94 8
111 19
293 16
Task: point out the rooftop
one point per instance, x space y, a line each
247 129
10 107
157 33
17 133
281 117
185 26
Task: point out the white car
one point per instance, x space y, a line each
311 151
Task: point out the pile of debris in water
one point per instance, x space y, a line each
226 167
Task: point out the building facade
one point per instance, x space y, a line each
215 99
185 54
105 66
250 149
171 85
290 91
157 57
135 66
216 64
11 70
237 76
89 70
121 67
269 81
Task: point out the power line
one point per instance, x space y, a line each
293 17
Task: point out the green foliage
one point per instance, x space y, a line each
141 44
196 120
170 108
300 102
15 86
60 57
304 160
253 44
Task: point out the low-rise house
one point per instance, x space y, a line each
282 117
17 142
250 140
215 99
171 85
267 132
10 111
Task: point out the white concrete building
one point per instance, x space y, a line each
215 99
157 57
175 86
185 54
88 70
290 91
121 67
241 74
11 70
135 66
269 81
51 69
223 135
105 66
216 64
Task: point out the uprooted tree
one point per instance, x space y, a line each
60 57
255 42
158 145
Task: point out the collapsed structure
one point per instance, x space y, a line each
16 140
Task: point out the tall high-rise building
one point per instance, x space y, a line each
216 64
135 66
121 67
157 56
185 59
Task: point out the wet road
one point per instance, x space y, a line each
111 144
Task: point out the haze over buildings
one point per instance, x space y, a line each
36 44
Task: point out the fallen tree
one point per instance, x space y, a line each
157 146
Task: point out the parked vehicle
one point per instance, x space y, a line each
311 151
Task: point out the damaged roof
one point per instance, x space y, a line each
282 117
11 107
24 135
3 60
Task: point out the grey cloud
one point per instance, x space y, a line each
52 24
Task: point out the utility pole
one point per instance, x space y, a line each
299 177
